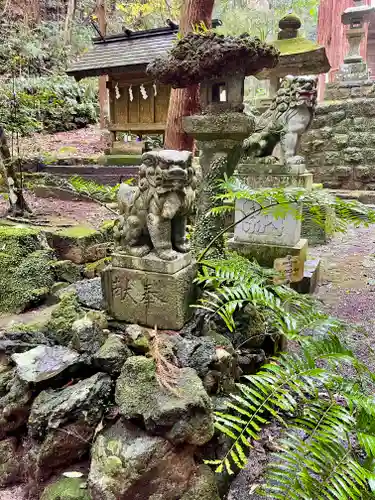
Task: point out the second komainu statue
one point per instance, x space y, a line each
287 119
153 215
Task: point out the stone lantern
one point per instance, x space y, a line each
354 67
298 56
219 64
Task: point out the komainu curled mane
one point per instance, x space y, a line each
153 215
288 117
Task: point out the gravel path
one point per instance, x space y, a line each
60 212
347 286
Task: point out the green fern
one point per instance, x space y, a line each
321 412
232 283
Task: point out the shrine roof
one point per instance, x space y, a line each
131 50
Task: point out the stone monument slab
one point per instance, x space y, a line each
265 227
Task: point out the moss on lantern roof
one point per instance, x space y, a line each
295 46
202 56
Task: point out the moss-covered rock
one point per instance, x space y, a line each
87 333
10 463
203 486
59 327
79 244
181 414
129 464
66 488
112 355
138 338
93 269
66 270
15 400
25 271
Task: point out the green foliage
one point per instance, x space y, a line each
230 284
239 17
47 104
94 190
139 15
327 448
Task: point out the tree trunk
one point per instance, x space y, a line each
101 13
72 4
17 202
185 102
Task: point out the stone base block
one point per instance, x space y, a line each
310 277
151 262
150 298
264 254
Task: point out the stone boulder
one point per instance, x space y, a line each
63 422
138 338
89 293
59 327
89 333
21 340
202 485
112 355
215 364
180 414
78 244
127 463
15 402
44 362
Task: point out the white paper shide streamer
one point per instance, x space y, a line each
131 97
155 89
143 91
117 92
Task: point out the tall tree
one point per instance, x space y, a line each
185 102
101 14
72 5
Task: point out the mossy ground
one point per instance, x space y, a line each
77 232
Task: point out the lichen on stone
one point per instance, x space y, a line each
201 56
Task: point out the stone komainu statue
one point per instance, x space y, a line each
153 215
288 117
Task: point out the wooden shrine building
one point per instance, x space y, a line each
136 104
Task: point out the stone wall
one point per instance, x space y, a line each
340 146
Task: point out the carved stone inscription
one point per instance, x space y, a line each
264 227
149 298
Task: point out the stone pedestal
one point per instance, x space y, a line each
266 254
150 291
